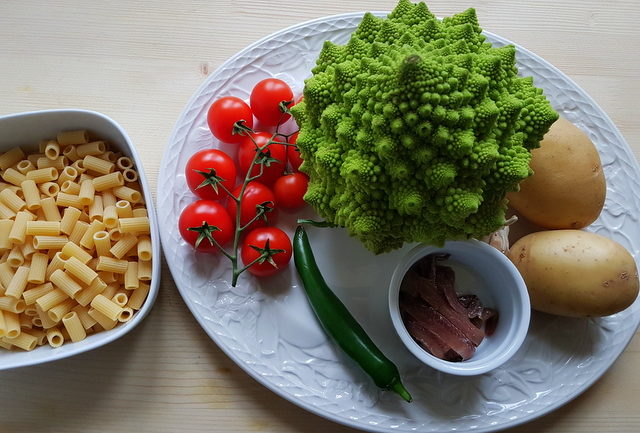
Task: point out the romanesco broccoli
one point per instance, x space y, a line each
417 128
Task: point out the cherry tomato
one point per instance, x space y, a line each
289 190
270 172
265 99
204 161
224 113
278 240
293 153
254 195
212 213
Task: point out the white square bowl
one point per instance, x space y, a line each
26 130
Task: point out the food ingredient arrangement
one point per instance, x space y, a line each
74 237
416 130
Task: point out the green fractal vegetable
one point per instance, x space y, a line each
340 324
416 129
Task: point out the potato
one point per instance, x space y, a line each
567 189
575 273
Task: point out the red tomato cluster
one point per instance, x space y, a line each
210 223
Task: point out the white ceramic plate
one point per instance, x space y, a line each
27 129
268 329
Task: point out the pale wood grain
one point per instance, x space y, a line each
139 62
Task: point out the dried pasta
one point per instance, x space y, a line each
75 250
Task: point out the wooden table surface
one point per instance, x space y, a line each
139 62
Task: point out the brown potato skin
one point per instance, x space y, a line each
567 189
575 273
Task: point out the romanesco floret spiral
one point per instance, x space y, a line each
416 129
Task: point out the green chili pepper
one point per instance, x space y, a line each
340 324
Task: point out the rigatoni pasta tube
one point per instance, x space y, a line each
51 299
70 187
108 181
16 178
126 193
25 166
102 243
131 276
15 257
42 175
50 189
80 271
49 242
31 194
134 225
87 238
19 229
97 165
65 138
12 324
64 282
105 322
78 232
38 268
58 311
6 274
144 248
58 163
108 199
5 229
50 209
52 150
120 298
126 243
83 314
24 341
110 264
144 271
18 283
87 192
106 306
69 219
74 327
54 337
11 157
32 295
94 289
124 210
95 209
11 200
5 212
73 250
27 248
43 228
110 217
8 303
66 200
68 174
93 148
138 296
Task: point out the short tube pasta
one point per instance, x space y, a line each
97 165
32 295
80 271
110 264
38 268
65 138
108 181
64 282
8 303
31 194
50 189
42 175
49 242
106 306
134 225
55 313
43 228
50 209
18 282
11 200
19 229
11 157
69 220
16 178
126 193
74 327
87 294
51 299
71 249
54 337
122 247
93 148
87 192
124 210
52 150
78 233
24 341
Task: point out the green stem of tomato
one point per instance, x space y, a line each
239 229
